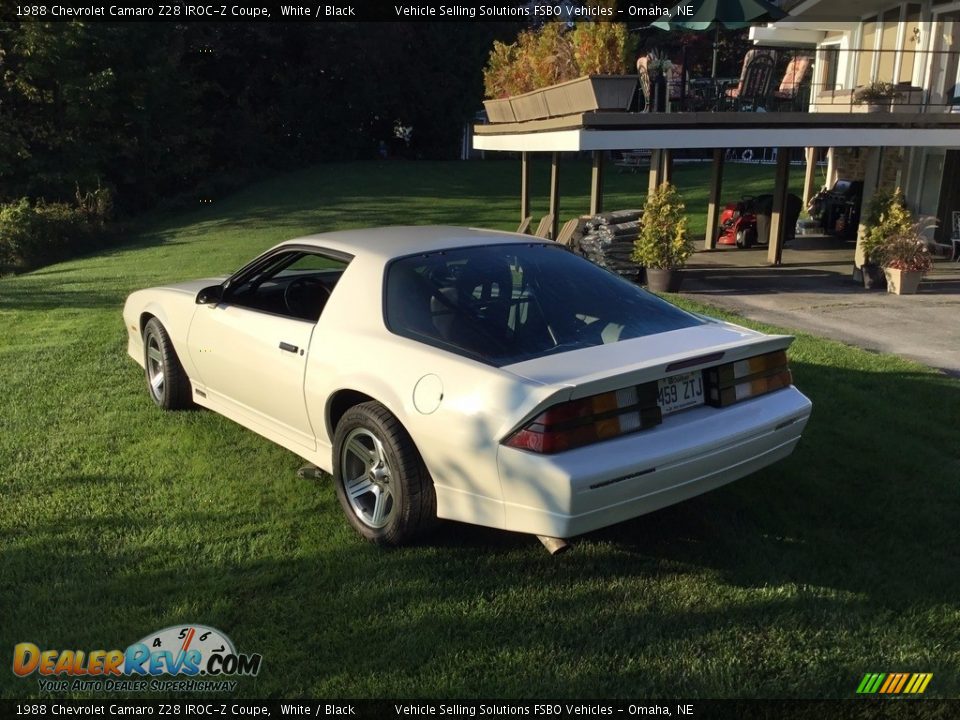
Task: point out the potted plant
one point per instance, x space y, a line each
555 71
876 96
663 245
658 65
905 260
887 217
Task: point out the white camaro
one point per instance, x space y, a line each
479 376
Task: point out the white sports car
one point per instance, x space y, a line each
478 376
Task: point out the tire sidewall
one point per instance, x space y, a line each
153 329
396 530
176 393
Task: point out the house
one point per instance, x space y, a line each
912 45
913 143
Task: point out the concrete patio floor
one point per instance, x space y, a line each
812 291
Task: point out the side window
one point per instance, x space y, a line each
295 284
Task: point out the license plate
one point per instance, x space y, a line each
680 392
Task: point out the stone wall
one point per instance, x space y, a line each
851 162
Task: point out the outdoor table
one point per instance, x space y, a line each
707 93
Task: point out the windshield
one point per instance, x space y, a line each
508 303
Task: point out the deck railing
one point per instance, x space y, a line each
817 80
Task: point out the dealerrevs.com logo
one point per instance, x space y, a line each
201 657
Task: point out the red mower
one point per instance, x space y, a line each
747 222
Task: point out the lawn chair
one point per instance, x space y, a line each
753 91
545 227
789 94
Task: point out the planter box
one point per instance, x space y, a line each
870 108
585 94
530 106
902 282
499 111
591 92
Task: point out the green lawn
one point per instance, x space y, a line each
118 519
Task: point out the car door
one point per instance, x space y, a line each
250 349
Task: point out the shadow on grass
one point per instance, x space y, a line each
840 555
48 296
871 488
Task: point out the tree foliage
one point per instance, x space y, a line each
167 109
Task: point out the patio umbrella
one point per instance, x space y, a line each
707 14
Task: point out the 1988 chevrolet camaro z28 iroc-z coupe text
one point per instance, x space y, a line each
478 376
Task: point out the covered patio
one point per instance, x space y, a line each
600 132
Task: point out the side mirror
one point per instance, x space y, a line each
210 295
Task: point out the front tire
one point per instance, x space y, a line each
382 484
167 381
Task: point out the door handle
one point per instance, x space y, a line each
288 347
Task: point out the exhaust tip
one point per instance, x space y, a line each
554 546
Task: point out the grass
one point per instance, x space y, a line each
118 519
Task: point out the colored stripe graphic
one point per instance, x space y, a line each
894 683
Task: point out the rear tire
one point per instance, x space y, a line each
746 238
167 382
382 484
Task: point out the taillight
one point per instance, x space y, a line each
744 379
588 420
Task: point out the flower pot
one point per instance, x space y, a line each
499 111
664 279
902 282
873 277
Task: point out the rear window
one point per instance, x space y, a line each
508 303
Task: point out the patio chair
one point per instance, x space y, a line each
753 91
792 86
675 79
644 75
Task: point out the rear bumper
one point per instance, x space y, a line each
691 453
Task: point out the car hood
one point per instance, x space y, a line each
636 361
192 287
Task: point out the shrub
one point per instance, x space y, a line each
38 233
875 92
600 48
663 242
905 252
887 217
553 54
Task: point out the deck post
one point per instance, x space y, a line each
666 172
713 202
596 183
811 175
831 167
656 167
554 193
524 186
778 224
871 177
